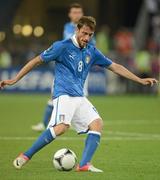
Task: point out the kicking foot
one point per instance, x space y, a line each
20 161
38 127
88 167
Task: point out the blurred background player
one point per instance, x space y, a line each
75 13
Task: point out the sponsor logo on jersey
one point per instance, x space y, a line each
72 55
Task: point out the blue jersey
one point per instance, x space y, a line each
72 65
69 31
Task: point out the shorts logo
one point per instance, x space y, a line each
61 117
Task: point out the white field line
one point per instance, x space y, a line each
132 134
131 122
126 136
116 138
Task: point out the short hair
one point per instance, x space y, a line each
75 5
88 21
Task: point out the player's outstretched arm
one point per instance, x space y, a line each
27 68
121 70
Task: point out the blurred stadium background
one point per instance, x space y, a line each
129 33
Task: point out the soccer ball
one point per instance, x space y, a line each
64 160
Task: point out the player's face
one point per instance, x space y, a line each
75 14
84 35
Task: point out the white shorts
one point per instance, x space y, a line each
75 111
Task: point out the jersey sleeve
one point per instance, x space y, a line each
52 53
101 60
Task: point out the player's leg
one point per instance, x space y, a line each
59 123
45 138
91 144
91 121
47 115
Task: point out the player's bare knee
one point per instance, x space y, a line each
60 129
96 125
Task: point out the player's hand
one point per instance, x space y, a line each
7 82
149 81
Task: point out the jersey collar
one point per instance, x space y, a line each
74 40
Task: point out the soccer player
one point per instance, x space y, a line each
75 13
73 59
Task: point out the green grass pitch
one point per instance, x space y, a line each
129 149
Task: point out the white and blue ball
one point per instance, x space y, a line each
64 160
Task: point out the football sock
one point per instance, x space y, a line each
47 114
91 143
45 138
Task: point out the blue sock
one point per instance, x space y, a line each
45 138
47 114
92 141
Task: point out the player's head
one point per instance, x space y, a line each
85 30
75 12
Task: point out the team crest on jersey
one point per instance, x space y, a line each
88 58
